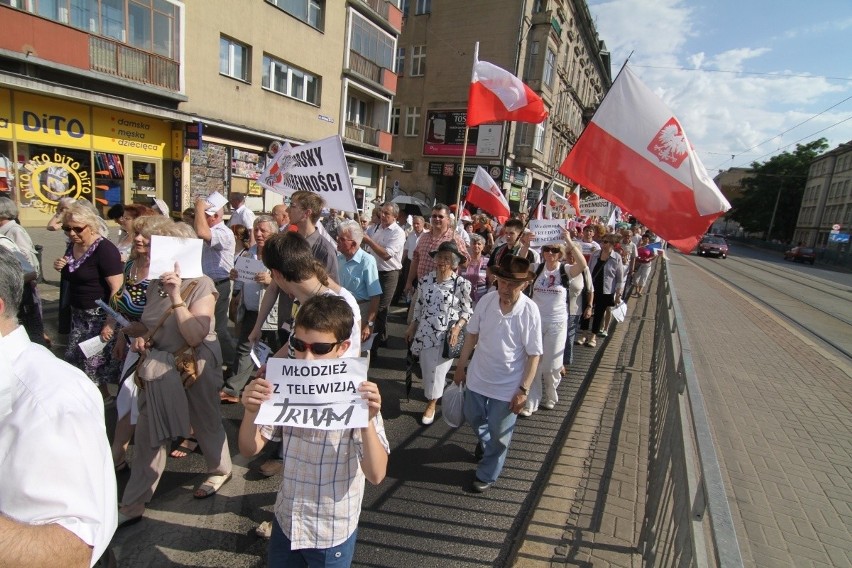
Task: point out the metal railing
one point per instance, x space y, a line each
687 519
121 60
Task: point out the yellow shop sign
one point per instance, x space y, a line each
53 122
5 115
48 177
124 133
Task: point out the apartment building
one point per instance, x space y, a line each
262 72
551 44
121 101
89 97
825 216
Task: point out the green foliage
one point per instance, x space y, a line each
786 172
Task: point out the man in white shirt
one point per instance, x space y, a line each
387 245
505 329
240 214
217 260
58 504
418 226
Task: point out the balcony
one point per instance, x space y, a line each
384 78
120 60
368 136
384 13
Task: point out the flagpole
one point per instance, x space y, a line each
466 132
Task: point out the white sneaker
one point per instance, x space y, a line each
581 341
526 412
592 342
548 404
264 530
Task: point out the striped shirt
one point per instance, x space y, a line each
322 484
429 243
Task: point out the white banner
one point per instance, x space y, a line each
319 167
595 207
321 394
546 231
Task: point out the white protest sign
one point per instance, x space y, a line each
321 394
92 347
319 167
166 251
594 206
546 231
247 268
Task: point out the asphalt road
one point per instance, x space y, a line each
422 514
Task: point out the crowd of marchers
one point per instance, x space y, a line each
485 309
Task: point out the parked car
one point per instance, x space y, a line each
713 246
800 254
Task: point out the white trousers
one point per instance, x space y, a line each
547 377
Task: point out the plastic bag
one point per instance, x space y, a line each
452 405
619 311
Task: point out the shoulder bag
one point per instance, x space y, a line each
453 351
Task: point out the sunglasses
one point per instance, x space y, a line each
554 250
77 230
315 348
437 216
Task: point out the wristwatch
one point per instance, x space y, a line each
523 389
371 324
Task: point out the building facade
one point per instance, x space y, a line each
121 101
825 216
551 44
89 98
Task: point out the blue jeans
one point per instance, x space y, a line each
571 336
281 556
493 423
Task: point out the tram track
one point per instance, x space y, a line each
825 322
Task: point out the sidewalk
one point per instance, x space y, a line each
779 406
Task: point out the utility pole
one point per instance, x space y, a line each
774 211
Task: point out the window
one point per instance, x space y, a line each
394 120
403 7
283 78
400 61
358 111
538 141
371 42
418 60
309 11
522 137
423 7
538 6
531 60
549 67
233 59
412 121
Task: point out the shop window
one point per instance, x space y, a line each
7 171
143 183
109 178
247 164
46 174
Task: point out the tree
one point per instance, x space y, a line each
778 185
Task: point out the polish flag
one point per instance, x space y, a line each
486 194
496 95
635 154
574 199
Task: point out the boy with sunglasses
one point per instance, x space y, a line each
322 487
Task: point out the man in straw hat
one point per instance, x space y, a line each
506 330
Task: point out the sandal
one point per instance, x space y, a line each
211 486
186 447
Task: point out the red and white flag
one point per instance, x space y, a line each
487 195
496 95
635 154
574 199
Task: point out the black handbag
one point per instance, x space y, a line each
453 351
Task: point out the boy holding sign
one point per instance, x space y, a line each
319 502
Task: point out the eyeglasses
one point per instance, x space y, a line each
77 230
554 250
315 348
437 216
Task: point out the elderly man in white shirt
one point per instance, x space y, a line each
387 245
240 213
58 504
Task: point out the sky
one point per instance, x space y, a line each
740 76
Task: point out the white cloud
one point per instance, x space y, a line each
723 113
